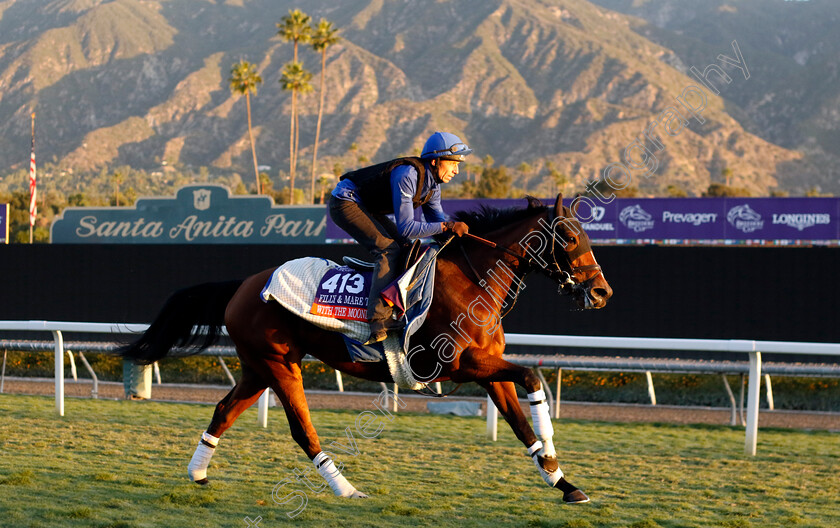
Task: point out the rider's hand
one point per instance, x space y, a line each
459 228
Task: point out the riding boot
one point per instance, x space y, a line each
380 314
379 329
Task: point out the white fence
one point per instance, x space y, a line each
734 346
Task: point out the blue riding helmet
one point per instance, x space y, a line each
443 145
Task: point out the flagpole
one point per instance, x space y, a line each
32 184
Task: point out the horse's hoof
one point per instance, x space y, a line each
575 497
358 495
202 482
571 494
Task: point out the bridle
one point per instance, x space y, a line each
567 284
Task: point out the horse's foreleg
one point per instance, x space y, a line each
504 397
499 377
499 392
241 397
288 384
483 368
503 394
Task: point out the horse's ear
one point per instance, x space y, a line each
558 205
533 202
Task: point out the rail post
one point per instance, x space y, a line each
753 391
59 371
769 392
651 390
262 409
492 420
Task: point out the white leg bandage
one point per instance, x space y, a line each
340 485
554 472
201 458
542 421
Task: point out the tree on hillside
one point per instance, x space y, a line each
558 178
716 190
525 169
495 183
295 79
295 28
118 179
324 37
676 191
726 174
606 190
244 79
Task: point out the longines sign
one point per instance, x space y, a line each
198 214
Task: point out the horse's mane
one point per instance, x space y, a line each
487 219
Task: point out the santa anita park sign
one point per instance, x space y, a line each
198 214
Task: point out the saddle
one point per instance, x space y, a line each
409 255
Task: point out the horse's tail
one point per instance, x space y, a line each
191 320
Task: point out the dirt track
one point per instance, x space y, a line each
416 403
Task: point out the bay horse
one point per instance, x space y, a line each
462 338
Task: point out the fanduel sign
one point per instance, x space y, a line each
198 214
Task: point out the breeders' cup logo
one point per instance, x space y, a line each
635 218
743 218
801 221
201 199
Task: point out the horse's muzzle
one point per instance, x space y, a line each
592 294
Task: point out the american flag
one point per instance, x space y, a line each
33 208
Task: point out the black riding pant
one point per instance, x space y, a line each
377 234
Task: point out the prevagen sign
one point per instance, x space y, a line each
198 214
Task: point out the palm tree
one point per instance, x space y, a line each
296 79
324 37
244 79
295 28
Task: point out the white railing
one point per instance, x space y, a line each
57 327
738 346
735 346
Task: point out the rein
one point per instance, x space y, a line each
565 279
478 277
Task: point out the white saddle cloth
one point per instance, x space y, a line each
294 284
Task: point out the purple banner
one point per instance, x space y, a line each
4 223
688 219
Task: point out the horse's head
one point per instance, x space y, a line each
560 248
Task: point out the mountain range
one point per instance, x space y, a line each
144 83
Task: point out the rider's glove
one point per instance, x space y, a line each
459 228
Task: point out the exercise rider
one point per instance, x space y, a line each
363 197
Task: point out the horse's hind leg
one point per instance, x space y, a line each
288 385
241 397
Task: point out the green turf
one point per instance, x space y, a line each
123 464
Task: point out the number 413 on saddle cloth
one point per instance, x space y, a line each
342 294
